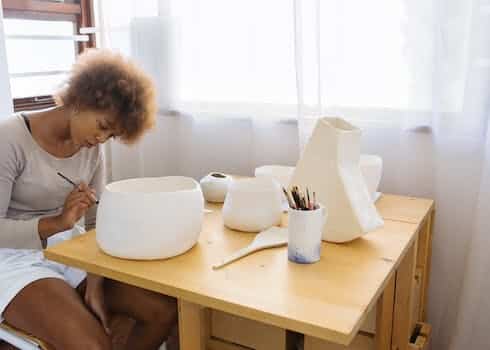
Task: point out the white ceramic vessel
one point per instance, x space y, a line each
330 166
252 205
282 174
371 169
215 187
150 218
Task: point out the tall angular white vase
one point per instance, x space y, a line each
330 166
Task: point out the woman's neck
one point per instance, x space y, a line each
51 129
52 124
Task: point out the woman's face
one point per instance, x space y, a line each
89 128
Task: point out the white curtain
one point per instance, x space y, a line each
414 75
6 106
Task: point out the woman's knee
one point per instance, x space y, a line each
164 311
145 307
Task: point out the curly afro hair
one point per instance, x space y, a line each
104 81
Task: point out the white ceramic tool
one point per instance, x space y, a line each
272 238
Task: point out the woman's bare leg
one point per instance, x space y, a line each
52 311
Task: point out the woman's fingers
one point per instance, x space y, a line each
83 187
76 204
79 197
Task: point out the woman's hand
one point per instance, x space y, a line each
76 205
95 301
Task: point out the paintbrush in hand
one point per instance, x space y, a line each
75 185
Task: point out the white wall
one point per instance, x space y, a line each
233 145
183 145
6 107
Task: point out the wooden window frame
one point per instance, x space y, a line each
79 12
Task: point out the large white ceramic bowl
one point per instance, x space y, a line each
252 205
150 218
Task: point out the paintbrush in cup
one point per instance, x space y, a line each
290 201
310 207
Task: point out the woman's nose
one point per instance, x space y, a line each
100 138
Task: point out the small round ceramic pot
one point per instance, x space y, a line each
215 187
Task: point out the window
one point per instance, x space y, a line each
321 54
42 43
235 53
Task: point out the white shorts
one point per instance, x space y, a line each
20 267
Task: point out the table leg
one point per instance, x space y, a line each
424 261
384 316
194 326
402 315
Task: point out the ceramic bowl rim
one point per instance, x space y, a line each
308 212
260 185
110 187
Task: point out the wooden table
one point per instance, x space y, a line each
328 300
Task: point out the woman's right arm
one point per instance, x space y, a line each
14 233
28 234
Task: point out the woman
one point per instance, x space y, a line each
105 97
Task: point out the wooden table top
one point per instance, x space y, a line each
328 300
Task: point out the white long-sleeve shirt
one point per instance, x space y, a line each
30 187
